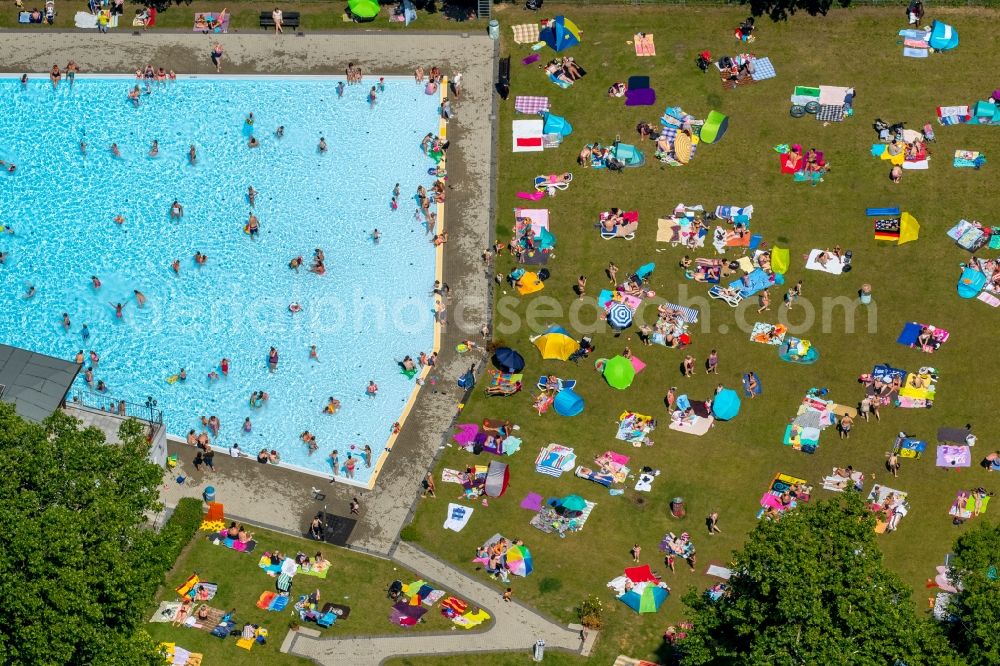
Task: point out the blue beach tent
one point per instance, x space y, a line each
561 34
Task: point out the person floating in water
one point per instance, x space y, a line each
280 132
295 263
192 155
251 195
332 405
322 145
95 281
30 292
83 148
115 151
176 266
155 150
119 219
249 120
140 298
182 375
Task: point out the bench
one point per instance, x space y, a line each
288 20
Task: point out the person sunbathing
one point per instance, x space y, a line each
233 531
203 612
813 164
794 158
583 159
556 72
894 148
823 258
571 69
551 383
663 145
243 536
609 224
617 89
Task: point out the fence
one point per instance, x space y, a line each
103 402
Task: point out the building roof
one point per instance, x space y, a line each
35 384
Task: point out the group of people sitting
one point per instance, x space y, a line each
990 268
494 557
238 532
810 163
670 329
564 70
786 500
593 155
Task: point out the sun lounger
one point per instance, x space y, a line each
554 180
563 384
733 298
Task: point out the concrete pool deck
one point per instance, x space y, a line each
270 495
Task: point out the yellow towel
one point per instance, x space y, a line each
245 643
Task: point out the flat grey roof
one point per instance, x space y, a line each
35 384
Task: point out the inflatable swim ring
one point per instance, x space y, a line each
294 307
599 364
409 373
431 88
461 348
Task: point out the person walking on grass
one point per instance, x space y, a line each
612 272
689 366
712 363
636 551
713 523
892 463
764 301
846 423
428 485
581 286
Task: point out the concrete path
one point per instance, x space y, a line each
515 627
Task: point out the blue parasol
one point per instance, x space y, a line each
619 316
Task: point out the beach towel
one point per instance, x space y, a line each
221 539
458 517
834 265
763 69
832 95
526 33
597 476
689 315
637 364
911 52
964 505
919 165
527 136
989 299
968 159
746 385
531 104
532 502
949 455
644 46
839 484
222 26
719 572
539 219
768 334
699 426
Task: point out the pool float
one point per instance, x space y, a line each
172 379
409 373
431 88
461 348
599 364
294 307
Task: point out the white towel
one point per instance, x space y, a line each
458 516
832 95
834 266
719 572
922 165
645 483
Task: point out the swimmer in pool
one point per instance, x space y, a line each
395 191
253 225
249 120
247 426
280 132
30 293
253 142
340 89
95 281
94 359
322 145
83 147
182 375
67 324
176 266
295 263
224 366
119 219
200 259
394 204
85 332
78 359
155 150
251 195
376 236
115 151
176 210
119 309
332 405
318 255
372 96
313 356
10 168
140 298
3 257
192 155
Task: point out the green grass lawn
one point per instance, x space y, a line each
245 17
354 580
729 469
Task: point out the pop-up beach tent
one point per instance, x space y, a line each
497 478
561 34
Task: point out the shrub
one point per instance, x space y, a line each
591 612
178 531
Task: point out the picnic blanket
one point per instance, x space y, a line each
834 265
950 455
527 136
756 280
780 484
88 21
724 573
220 538
888 515
768 334
531 104
838 484
635 428
911 333
689 315
830 113
696 425
968 159
526 33
549 521
222 26
763 69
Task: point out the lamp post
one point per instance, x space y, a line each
150 405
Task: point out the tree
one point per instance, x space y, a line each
78 565
812 589
975 569
780 10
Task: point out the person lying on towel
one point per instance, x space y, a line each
554 70
604 478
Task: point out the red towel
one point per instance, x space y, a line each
455 604
529 141
631 216
641 574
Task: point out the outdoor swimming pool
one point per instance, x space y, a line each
371 308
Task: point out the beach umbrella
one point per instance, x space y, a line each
573 503
365 9
619 372
519 561
508 360
619 316
726 404
555 344
647 601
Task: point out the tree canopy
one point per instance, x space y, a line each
975 569
78 566
812 588
780 10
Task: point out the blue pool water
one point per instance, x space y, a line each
372 307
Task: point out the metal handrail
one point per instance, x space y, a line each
108 404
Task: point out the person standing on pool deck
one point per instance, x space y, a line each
217 56
272 359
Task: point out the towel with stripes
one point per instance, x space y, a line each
530 104
526 33
763 69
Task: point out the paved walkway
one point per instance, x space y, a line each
515 627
